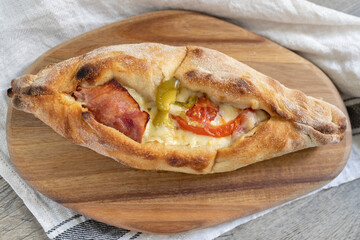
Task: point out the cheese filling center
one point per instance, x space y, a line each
173 135
183 117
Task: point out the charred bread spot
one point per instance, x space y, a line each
197 163
18 103
86 116
192 75
176 162
342 125
18 85
197 52
326 129
126 63
235 85
36 91
88 72
135 64
195 76
242 86
10 92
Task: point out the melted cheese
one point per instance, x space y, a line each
184 94
173 136
176 136
138 98
177 110
226 113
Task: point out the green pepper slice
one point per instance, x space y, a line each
166 94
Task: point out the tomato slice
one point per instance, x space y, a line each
208 129
203 112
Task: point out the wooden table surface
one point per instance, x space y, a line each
329 214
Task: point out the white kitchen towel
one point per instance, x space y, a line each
328 38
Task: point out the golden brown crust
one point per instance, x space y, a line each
277 136
297 121
224 79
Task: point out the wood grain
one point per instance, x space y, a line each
163 202
329 214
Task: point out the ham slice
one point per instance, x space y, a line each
113 106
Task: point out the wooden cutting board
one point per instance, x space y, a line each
166 202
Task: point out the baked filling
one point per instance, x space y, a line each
179 116
113 106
